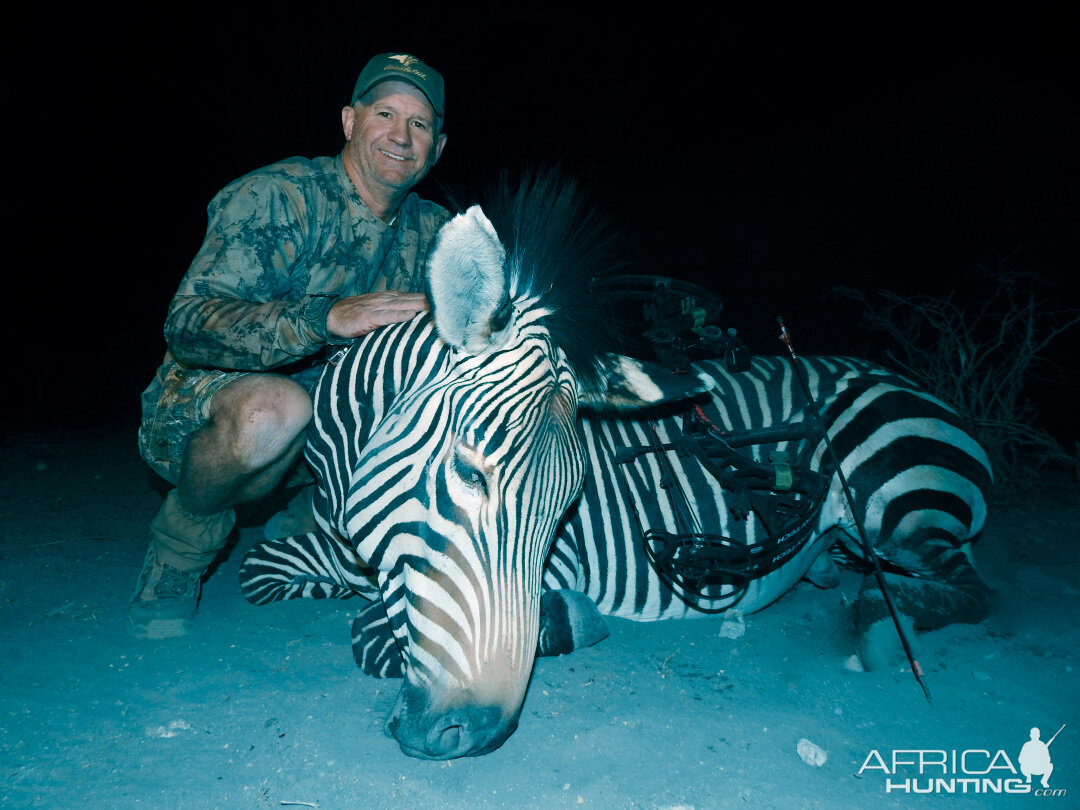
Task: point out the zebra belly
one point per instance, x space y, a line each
646 597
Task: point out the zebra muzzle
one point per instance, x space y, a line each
461 730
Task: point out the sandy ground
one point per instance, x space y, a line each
263 707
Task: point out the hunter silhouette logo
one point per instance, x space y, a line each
1035 757
973 770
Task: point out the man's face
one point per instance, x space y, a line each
392 142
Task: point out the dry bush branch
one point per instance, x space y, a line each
978 353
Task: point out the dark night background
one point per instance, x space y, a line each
769 155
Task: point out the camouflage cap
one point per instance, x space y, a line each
405 68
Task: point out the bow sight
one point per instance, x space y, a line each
679 320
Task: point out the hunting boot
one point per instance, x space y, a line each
182 546
165 599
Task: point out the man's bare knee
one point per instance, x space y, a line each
259 417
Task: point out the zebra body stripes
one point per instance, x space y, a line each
881 424
488 521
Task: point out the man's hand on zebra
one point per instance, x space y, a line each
359 314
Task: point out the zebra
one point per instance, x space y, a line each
473 484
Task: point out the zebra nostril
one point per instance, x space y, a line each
450 740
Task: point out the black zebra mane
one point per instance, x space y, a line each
556 243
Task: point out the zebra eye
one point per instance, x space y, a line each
470 473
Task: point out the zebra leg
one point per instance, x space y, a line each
374 647
308 566
569 620
958 594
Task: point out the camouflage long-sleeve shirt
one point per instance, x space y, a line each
283 243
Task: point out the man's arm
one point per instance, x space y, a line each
206 331
235 334
244 303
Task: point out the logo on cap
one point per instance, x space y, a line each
406 63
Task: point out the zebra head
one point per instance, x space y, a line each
469 471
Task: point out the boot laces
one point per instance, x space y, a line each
173 582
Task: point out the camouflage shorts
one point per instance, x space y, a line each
177 403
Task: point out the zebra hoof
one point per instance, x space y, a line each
374 647
879 646
569 620
878 642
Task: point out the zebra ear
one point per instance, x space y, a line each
625 384
467 283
